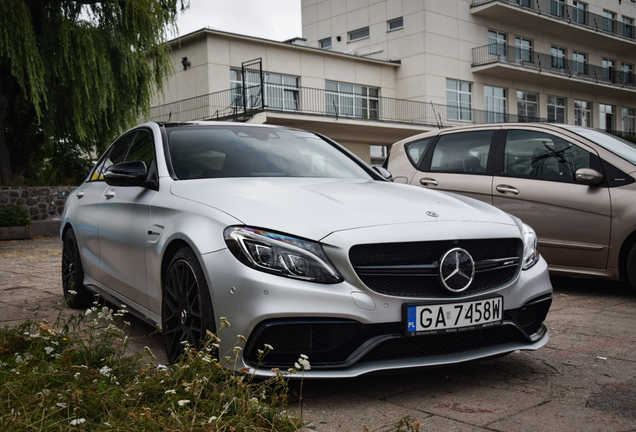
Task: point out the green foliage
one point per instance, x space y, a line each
14 216
76 374
78 71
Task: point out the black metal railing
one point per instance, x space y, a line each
530 59
572 15
229 105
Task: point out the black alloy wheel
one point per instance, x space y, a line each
75 293
186 308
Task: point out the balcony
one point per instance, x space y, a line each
561 20
307 105
498 60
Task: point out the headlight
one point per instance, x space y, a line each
281 255
530 247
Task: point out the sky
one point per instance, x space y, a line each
278 20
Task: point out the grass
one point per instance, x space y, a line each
76 374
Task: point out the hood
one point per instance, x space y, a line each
314 208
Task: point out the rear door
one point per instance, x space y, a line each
460 162
535 181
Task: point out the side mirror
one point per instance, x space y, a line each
386 175
132 173
588 176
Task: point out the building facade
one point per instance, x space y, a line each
370 72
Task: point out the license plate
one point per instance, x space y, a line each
453 317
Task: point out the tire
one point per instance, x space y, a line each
630 267
186 307
73 274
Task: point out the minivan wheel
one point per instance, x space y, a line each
75 293
186 308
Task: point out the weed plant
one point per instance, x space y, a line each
77 374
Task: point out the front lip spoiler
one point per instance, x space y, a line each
414 363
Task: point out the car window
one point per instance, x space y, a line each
239 151
417 149
465 152
542 156
143 148
116 154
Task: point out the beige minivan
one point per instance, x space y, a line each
575 186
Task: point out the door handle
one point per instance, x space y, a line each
109 194
79 194
427 181
507 188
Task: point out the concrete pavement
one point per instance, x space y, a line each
584 380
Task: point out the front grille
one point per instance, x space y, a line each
411 269
341 343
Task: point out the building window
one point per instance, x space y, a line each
496 43
525 3
359 34
608 69
629 121
558 57
557 8
606 117
582 113
579 63
350 100
608 21
459 100
580 12
395 24
628 27
249 98
325 43
495 103
527 106
556 109
378 154
523 48
281 92
627 76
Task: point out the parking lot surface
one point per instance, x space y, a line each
583 380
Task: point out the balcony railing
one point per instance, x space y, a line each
228 105
571 15
530 59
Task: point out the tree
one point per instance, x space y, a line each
77 73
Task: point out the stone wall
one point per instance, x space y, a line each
43 203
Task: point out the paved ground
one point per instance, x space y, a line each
584 380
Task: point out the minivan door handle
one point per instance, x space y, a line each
507 188
427 181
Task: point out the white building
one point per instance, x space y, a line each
370 72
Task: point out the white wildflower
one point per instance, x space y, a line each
183 402
269 347
77 422
105 371
171 391
49 350
213 418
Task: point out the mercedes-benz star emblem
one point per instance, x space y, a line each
457 270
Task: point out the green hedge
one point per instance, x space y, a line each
14 216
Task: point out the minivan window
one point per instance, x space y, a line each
465 152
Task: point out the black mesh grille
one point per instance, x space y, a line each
428 254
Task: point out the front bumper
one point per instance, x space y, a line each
347 330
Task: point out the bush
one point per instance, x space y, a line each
14 216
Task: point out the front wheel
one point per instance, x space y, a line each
75 293
186 308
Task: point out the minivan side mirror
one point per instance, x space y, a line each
588 176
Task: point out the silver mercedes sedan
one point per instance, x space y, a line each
301 247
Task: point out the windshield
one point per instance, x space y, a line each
199 151
619 146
